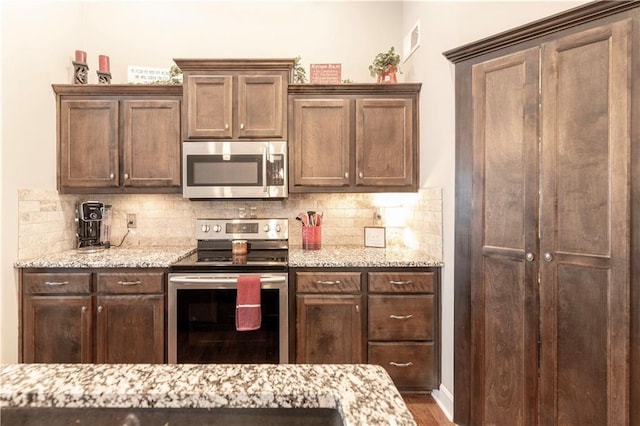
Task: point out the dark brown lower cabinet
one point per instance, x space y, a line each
328 318
104 316
388 317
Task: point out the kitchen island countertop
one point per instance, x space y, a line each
355 256
138 257
363 394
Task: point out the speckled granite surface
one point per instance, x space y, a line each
140 257
364 394
347 256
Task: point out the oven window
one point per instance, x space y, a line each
206 330
216 170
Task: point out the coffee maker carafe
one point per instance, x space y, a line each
89 218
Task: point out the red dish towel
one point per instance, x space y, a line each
248 310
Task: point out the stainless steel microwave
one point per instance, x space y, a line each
234 169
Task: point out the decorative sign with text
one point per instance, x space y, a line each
325 73
142 75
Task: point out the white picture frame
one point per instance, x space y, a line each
375 236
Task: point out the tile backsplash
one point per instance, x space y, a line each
46 218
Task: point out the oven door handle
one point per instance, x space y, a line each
220 280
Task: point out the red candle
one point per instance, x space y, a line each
103 63
81 56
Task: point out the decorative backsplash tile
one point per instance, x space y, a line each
47 219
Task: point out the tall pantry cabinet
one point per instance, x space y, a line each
547 268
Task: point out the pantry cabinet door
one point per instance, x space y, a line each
88 144
504 240
585 227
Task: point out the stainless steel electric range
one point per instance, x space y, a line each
203 288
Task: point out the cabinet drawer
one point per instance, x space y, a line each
53 283
134 282
401 317
410 365
328 282
401 282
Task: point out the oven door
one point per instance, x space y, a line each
201 321
234 169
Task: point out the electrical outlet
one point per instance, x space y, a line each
131 220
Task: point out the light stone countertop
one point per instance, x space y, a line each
363 394
139 257
355 256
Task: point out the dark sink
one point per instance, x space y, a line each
21 416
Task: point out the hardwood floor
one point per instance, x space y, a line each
425 410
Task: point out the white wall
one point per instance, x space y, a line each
39 38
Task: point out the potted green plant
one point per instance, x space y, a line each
384 65
299 73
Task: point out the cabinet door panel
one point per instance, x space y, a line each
504 229
209 106
57 329
151 142
261 106
130 329
410 365
329 329
584 280
88 144
401 317
384 142
320 142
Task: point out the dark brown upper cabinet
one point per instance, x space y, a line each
353 138
118 138
235 99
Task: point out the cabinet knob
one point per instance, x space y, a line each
548 257
111 176
126 175
529 257
360 175
100 308
241 126
226 126
84 309
358 308
346 175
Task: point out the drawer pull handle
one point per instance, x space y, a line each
56 283
401 317
401 282
401 364
328 282
137 282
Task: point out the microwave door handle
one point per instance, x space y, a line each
264 170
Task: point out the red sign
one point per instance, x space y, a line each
326 73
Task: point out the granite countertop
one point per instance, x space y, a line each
363 394
139 257
348 256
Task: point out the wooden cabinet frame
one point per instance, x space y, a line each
626 409
119 138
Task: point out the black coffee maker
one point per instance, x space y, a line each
89 218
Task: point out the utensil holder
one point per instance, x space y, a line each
311 237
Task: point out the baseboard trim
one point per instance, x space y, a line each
444 399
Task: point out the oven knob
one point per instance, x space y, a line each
266 228
217 228
278 228
205 228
